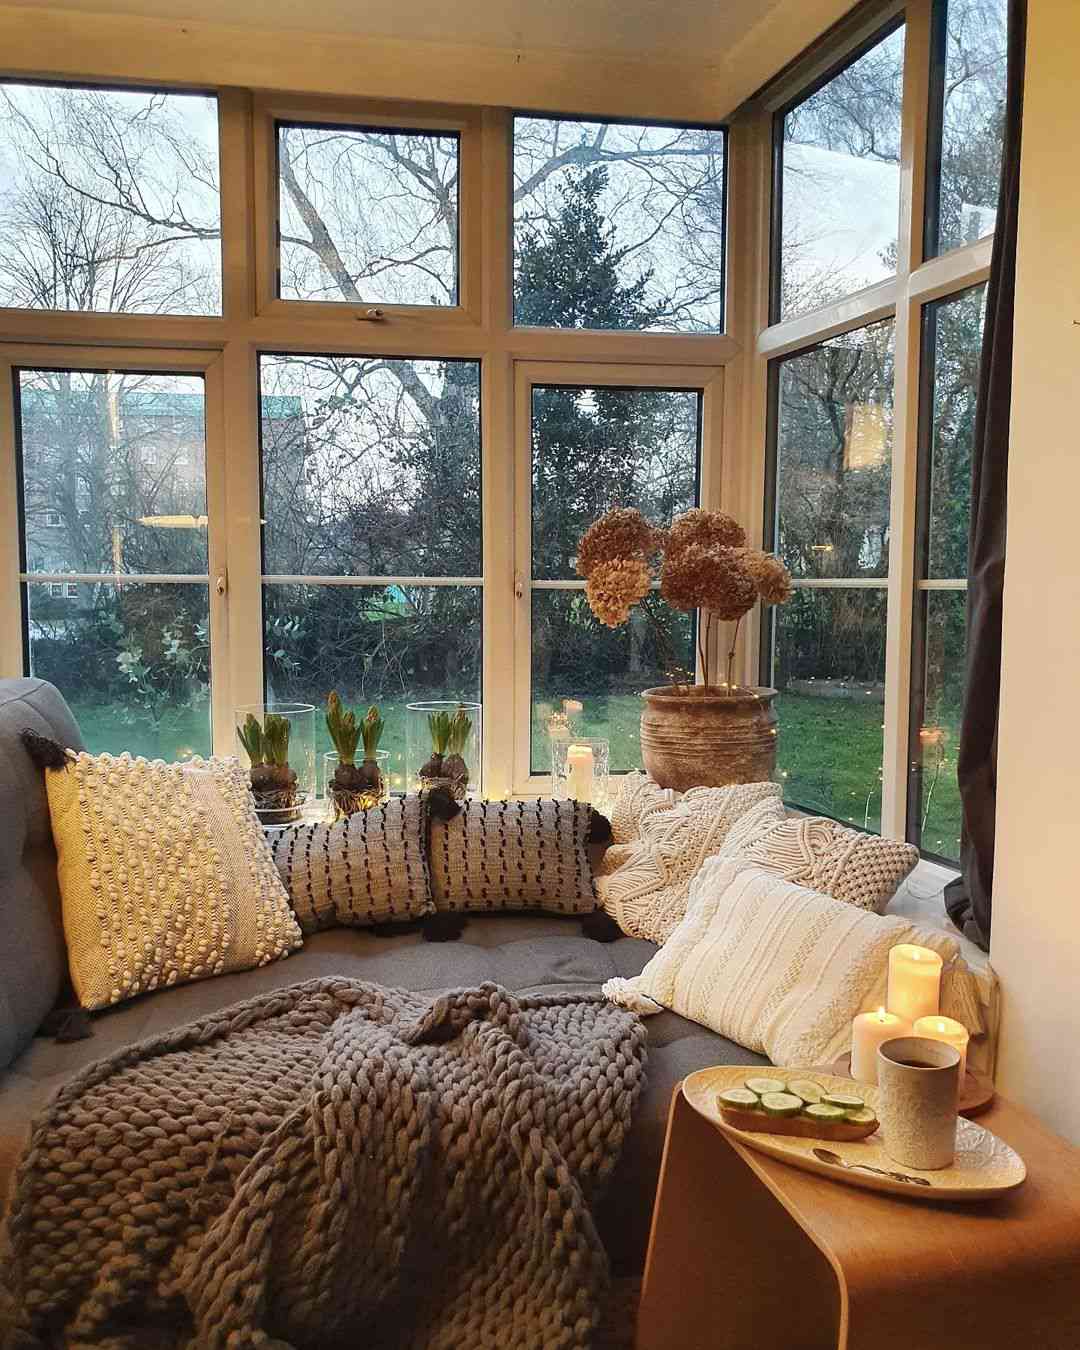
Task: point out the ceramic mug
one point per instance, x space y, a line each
918 1084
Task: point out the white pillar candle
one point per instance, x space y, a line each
914 982
938 1028
579 773
868 1031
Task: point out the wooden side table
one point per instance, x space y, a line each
749 1253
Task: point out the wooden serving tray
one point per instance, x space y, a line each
801 1127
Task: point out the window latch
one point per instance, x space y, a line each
519 585
221 585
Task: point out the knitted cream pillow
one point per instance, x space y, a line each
646 890
637 796
367 869
164 873
860 869
779 968
513 855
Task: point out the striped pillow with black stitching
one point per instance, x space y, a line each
367 869
513 855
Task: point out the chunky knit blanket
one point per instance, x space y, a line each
333 1164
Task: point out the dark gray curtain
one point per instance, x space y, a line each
969 898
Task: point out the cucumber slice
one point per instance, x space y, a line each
781 1104
741 1098
848 1101
825 1112
808 1091
861 1117
763 1085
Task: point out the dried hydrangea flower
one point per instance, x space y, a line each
709 529
614 587
619 535
701 577
772 577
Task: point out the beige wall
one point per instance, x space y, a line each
1036 935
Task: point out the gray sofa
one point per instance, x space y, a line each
524 953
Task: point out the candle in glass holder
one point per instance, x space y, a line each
868 1031
947 1029
914 981
579 773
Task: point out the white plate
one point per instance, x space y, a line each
985 1166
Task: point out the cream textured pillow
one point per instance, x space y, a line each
646 891
164 873
636 797
779 968
513 855
860 869
367 869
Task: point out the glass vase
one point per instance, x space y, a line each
580 767
341 803
460 773
281 790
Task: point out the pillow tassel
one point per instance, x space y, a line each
45 752
600 926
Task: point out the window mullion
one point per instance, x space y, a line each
11 620
900 614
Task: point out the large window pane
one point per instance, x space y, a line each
109 201
830 670
133 661
618 225
936 796
390 645
368 215
371 466
113 471
833 456
595 448
840 199
970 76
574 656
954 347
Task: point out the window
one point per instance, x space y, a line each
952 341
132 657
968 92
109 200
618 225
832 453
372 554
839 151
53 520
367 214
591 448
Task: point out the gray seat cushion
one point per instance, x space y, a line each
33 960
525 953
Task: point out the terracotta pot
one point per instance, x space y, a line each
703 736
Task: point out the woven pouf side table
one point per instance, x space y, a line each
748 1253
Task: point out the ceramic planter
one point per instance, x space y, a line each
704 736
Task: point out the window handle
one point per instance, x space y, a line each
221 585
519 585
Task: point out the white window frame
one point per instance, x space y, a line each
253 320
527 374
918 282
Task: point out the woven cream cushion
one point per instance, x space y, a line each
644 885
367 869
636 796
861 869
513 855
782 969
164 873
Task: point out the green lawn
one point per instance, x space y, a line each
829 751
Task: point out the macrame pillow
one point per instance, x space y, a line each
782 969
860 869
164 873
645 884
513 855
367 869
637 796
